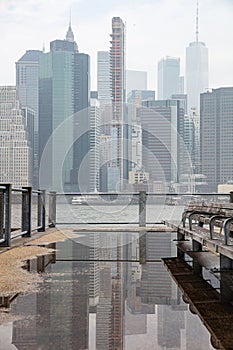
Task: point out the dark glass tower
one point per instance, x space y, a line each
63 91
27 77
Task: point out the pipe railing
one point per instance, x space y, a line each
25 227
8 232
142 199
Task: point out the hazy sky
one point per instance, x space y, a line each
154 28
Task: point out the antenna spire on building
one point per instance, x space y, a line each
197 22
70 18
70 34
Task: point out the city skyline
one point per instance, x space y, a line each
26 27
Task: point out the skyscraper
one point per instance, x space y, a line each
27 81
15 147
55 107
94 159
197 70
104 78
168 77
162 132
135 99
216 129
117 59
64 92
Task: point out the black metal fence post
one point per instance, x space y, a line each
27 211
52 209
1 212
8 206
39 210
231 197
142 208
41 207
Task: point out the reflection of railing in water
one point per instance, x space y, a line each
6 301
40 263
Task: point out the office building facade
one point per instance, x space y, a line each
216 128
197 73
16 158
162 140
27 82
63 103
104 78
168 77
197 69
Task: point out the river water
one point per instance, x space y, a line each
96 295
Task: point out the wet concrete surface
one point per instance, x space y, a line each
214 307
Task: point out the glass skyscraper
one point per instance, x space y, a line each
168 77
63 93
27 78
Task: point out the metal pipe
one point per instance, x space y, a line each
212 223
36 191
8 207
226 228
52 209
1 213
231 197
136 194
27 211
22 190
142 208
41 207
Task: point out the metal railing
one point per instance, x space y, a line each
9 199
142 199
48 218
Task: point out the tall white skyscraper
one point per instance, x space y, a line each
197 70
168 77
104 78
15 147
117 61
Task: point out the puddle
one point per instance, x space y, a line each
101 303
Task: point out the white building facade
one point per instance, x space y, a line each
16 158
197 73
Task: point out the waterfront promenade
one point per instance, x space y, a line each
116 281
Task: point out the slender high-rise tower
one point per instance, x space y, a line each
197 70
117 59
103 78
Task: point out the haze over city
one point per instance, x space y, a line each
154 28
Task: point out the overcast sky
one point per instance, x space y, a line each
154 28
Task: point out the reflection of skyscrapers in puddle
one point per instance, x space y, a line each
103 311
135 311
170 325
60 308
94 269
110 309
158 288
156 284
